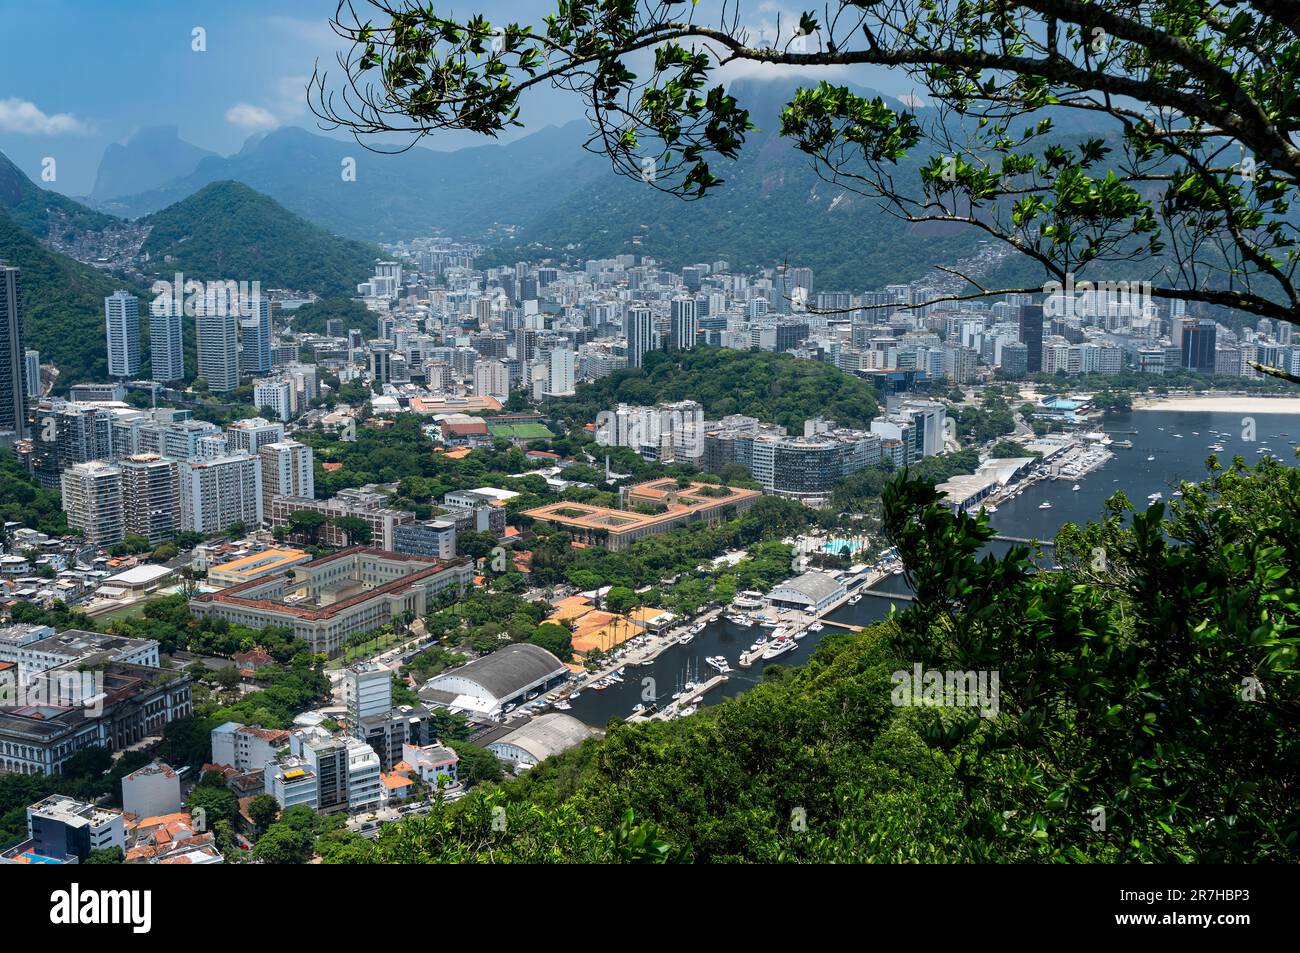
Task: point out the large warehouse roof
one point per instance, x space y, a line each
507 670
548 734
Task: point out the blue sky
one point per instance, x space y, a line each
90 72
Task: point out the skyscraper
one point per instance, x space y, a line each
166 339
255 337
217 339
92 499
122 323
1031 336
561 373
286 471
13 390
151 503
32 369
1198 344
639 329
685 326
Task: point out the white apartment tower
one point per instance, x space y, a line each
286 471
219 492
217 339
92 499
122 320
685 325
166 340
151 505
492 379
639 330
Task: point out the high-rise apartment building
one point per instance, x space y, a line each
122 322
286 471
255 337
684 327
92 500
217 340
219 492
151 505
13 390
639 330
166 339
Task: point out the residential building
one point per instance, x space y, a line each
218 493
122 320
13 389
166 339
92 500
286 471
151 505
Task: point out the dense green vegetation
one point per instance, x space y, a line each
312 318
39 211
24 502
778 388
228 232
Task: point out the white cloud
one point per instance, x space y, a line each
19 115
291 96
253 118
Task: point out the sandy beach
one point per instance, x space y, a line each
1222 405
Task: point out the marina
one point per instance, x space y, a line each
654 667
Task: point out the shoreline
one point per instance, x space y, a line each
1221 405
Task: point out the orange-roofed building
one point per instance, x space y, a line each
331 467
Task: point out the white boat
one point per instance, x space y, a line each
688 710
562 705
1044 505
575 696
1075 488
638 708
1157 495
1150 458
780 647
854 600
718 663
697 628
897 572
768 623
816 627
686 639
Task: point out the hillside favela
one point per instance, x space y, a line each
607 432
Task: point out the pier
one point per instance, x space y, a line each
1024 541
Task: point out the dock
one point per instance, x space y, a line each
670 711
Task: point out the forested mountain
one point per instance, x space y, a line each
228 232
778 388
44 213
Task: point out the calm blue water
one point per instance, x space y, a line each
1176 458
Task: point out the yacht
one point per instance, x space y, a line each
718 663
561 705
854 600
1150 458
638 708
697 628
1045 505
816 627
574 696
1157 495
780 647
686 639
1075 488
